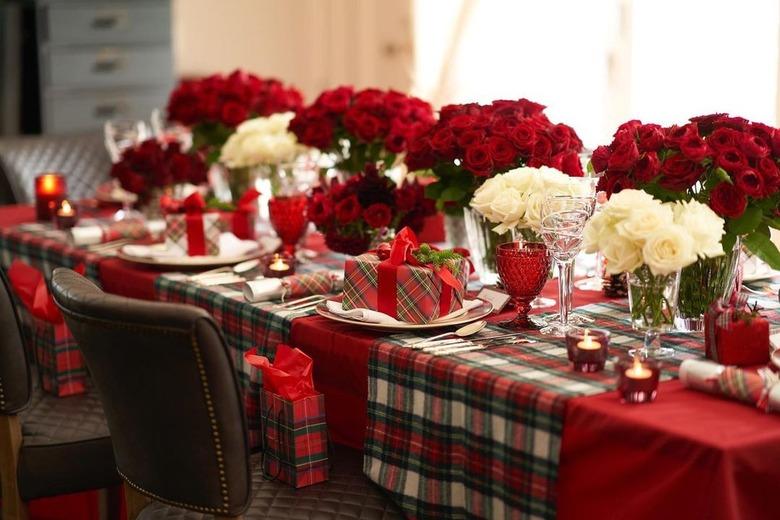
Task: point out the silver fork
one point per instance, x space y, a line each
294 305
108 246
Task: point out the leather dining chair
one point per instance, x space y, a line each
175 413
48 445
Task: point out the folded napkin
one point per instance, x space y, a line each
761 389
371 316
99 233
294 286
229 246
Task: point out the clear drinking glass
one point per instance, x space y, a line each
119 135
652 300
167 131
562 231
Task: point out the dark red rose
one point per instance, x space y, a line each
233 114
629 127
679 173
722 138
624 155
348 209
676 134
776 142
600 159
731 160
727 200
405 199
443 142
754 146
336 100
370 128
461 123
750 182
647 167
317 133
320 209
561 137
395 142
569 163
471 138
694 147
478 160
651 138
769 171
419 155
501 151
369 99
707 123
523 136
615 182
378 215
349 245
737 123
542 149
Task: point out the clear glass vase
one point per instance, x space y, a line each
703 282
482 245
652 300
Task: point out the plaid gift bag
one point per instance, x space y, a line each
735 334
402 287
295 439
60 365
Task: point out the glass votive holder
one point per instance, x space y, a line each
587 349
278 265
637 379
65 216
50 190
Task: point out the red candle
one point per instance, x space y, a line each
49 192
278 265
65 217
638 380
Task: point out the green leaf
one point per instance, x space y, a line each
773 222
433 190
760 245
590 168
453 193
746 223
721 175
728 241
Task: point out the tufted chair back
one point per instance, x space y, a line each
15 380
169 392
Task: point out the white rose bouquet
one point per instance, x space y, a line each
513 200
653 241
261 141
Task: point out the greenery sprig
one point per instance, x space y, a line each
425 254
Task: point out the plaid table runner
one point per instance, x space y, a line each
478 434
245 325
45 248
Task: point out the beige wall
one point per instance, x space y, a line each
313 44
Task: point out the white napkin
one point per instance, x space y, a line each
229 246
263 289
371 316
90 235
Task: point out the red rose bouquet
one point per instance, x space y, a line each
727 163
362 127
213 106
352 214
472 142
153 166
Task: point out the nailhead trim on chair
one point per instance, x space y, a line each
2 395
209 408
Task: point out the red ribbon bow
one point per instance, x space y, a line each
243 217
193 208
401 252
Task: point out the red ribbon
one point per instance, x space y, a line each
289 376
31 289
243 217
401 249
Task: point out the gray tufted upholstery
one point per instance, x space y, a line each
82 158
347 495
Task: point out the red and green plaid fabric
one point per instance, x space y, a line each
245 326
306 284
176 232
478 434
45 249
295 439
418 289
60 366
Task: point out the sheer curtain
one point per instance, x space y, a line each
596 64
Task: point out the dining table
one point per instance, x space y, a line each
509 431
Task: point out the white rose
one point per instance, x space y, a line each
598 231
484 196
704 226
644 222
621 255
533 211
507 207
525 180
669 249
622 205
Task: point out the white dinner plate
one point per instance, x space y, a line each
757 270
473 315
188 262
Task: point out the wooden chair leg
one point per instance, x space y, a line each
10 445
134 502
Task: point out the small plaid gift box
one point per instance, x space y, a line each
60 365
735 334
292 416
393 280
193 233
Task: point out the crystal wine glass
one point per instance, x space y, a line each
166 131
523 268
562 231
119 135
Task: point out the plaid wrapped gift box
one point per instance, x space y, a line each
735 334
418 290
181 233
61 367
295 438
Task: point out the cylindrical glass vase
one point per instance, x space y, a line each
483 242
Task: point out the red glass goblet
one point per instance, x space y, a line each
523 268
289 219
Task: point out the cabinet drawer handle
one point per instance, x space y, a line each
104 65
107 110
103 22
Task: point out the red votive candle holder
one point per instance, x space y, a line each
65 216
587 349
638 379
50 190
278 265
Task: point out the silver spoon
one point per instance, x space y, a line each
239 269
466 330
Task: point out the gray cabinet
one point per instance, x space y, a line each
102 60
